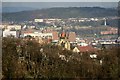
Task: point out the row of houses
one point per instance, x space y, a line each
54 35
109 30
11 27
65 39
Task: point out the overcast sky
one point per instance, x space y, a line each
60 0
39 5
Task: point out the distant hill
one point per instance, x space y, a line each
15 9
70 12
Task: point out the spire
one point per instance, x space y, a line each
105 22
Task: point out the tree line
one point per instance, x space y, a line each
25 58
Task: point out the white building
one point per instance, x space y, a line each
33 34
8 33
39 34
76 50
16 27
38 20
47 35
82 44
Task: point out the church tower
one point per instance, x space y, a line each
63 40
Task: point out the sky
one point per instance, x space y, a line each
39 5
60 0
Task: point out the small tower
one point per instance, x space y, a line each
105 22
63 40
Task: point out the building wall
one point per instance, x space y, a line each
38 20
16 27
72 36
55 35
8 33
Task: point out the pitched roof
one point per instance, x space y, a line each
87 49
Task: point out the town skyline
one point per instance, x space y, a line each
78 42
